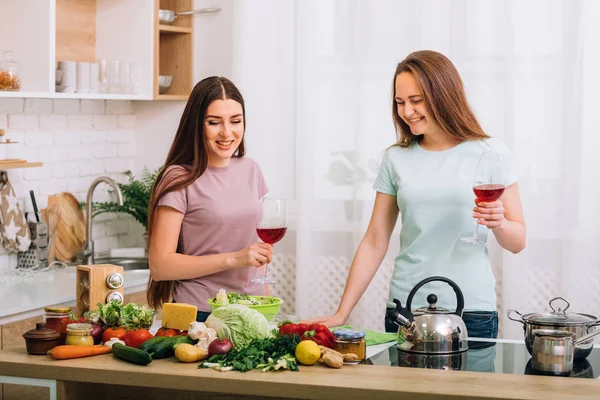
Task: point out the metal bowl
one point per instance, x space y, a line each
164 83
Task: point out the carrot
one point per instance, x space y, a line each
65 352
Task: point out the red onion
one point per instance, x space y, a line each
219 346
97 333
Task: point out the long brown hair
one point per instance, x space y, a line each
188 152
444 96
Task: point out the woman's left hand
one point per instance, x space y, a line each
489 214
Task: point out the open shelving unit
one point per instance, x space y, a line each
42 33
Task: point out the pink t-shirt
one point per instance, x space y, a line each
221 210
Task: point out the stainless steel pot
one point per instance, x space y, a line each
167 17
432 329
553 351
558 320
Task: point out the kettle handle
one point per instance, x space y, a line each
460 300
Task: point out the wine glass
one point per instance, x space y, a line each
489 183
271 227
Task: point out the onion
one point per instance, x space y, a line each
219 346
97 332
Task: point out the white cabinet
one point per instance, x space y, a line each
42 33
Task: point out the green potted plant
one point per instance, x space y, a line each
136 197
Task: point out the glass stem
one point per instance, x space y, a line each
265 274
476 233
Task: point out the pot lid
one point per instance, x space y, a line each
41 333
559 316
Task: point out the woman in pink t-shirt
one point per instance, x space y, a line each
205 205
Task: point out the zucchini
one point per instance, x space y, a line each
131 354
149 346
166 348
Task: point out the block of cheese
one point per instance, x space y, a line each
178 315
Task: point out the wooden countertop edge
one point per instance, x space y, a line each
316 382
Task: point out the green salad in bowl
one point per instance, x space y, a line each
266 305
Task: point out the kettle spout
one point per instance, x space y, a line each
395 316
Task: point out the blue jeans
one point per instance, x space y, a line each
201 316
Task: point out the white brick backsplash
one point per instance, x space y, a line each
30 154
78 184
31 174
53 121
106 243
79 152
92 106
49 187
92 137
106 150
53 154
91 168
3 122
118 165
68 169
98 230
127 121
66 107
117 227
11 106
67 137
105 121
38 106
39 139
23 121
80 121
120 136
15 136
127 150
119 107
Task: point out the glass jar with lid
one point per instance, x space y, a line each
9 72
79 335
57 318
350 341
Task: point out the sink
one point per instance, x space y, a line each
128 263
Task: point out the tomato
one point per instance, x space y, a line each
135 337
167 332
109 333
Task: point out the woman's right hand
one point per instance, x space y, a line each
255 255
330 321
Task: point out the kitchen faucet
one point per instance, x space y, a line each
88 251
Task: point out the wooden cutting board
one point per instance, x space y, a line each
66 227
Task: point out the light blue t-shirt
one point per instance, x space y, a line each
435 197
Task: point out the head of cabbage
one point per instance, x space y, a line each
239 324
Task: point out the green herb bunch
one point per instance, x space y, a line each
136 197
264 354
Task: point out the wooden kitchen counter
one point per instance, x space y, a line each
102 377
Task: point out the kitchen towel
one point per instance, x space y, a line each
372 337
13 226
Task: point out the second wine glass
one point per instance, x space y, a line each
489 182
271 227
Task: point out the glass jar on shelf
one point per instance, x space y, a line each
9 72
79 335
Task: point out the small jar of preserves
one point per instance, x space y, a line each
350 341
57 318
79 335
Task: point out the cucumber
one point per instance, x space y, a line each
131 354
149 345
166 348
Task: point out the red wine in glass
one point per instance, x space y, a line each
271 235
488 192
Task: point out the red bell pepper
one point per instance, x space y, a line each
320 328
320 338
288 328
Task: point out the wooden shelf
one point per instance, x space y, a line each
172 97
14 165
173 29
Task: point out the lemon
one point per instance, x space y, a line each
308 352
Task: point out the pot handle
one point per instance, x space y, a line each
460 300
509 312
560 310
200 11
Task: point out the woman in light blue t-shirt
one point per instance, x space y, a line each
426 178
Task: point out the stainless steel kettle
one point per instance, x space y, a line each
430 330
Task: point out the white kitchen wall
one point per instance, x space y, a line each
77 140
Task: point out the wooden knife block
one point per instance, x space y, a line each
91 285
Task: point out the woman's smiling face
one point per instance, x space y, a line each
223 130
411 105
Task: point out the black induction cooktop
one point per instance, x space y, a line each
507 357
